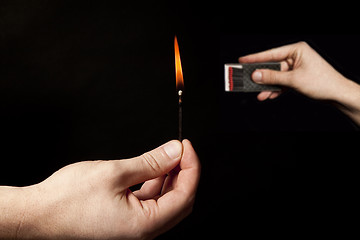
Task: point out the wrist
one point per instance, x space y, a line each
348 99
20 209
35 216
13 205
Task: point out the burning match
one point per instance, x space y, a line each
179 83
180 115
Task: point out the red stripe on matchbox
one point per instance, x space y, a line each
231 83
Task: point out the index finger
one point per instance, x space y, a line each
272 55
176 204
183 194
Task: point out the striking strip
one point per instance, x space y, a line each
231 82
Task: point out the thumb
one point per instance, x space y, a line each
272 77
150 165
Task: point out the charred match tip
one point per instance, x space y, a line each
179 92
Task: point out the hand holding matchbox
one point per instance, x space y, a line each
238 77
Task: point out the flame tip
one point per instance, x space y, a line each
178 68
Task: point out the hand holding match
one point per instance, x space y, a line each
92 200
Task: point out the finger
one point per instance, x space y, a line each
272 55
150 189
150 165
170 180
264 95
177 203
186 182
274 95
268 95
272 77
169 184
285 65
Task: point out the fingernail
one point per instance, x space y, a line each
257 77
173 149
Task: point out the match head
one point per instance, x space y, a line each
180 92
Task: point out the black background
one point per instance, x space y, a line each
84 80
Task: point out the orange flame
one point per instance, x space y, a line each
178 68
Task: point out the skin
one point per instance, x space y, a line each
92 200
304 70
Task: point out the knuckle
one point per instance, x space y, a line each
273 53
113 168
150 161
150 211
303 44
108 171
102 168
271 77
